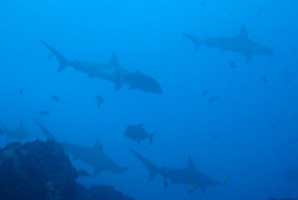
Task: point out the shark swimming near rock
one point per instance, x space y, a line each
189 175
111 71
240 43
95 157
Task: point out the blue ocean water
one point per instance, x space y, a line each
235 116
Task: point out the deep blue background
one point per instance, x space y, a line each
248 137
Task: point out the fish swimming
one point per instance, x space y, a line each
240 43
44 113
56 99
95 157
188 175
99 101
140 81
111 71
138 133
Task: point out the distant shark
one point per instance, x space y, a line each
240 43
111 71
188 175
93 156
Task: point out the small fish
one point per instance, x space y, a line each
138 133
99 101
44 113
205 93
21 91
213 99
56 99
83 173
265 79
233 65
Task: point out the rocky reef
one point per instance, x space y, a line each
42 171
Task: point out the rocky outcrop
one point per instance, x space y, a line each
42 171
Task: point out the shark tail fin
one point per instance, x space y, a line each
63 62
45 131
151 168
196 42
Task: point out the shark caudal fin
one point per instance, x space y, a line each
63 62
195 41
45 131
152 169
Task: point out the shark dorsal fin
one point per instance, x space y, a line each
190 164
243 32
114 60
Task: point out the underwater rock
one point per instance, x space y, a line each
100 193
42 171
36 170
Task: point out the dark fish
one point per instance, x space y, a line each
138 133
213 99
44 113
21 91
205 93
265 79
233 65
99 101
56 99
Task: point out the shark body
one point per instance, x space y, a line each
239 43
95 157
188 175
111 71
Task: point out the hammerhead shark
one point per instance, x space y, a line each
188 175
239 43
93 156
111 71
